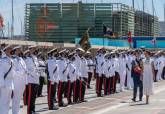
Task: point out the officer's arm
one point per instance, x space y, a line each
2 73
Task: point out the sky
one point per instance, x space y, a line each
19 9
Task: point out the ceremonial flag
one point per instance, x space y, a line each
84 42
108 31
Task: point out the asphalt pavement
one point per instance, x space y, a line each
119 103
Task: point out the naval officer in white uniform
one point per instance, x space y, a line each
6 80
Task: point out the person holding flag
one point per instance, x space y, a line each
130 39
154 41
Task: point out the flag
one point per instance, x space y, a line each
84 42
153 41
108 31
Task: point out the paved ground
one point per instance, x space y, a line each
118 103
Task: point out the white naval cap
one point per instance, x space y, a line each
62 51
72 53
27 51
17 47
53 50
80 49
7 47
112 52
30 47
88 52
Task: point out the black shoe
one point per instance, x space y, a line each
99 95
55 101
70 103
140 99
134 100
54 108
62 105
79 102
84 101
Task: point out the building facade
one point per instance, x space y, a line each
55 22
162 28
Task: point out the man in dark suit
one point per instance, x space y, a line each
137 76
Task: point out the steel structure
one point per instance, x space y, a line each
145 24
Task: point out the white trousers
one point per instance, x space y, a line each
122 79
19 87
159 74
5 98
129 80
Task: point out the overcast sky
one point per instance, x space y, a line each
19 8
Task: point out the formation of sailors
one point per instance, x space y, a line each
68 75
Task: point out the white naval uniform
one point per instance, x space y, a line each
107 68
116 64
6 84
129 69
90 63
72 72
100 64
156 65
52 65
77 64
84 68
33 70
20 80
160 68
42 68
33 81
111 71
122 72
62 66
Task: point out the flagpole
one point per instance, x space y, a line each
153 23
12 25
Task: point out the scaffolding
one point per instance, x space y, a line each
145 24
123 19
